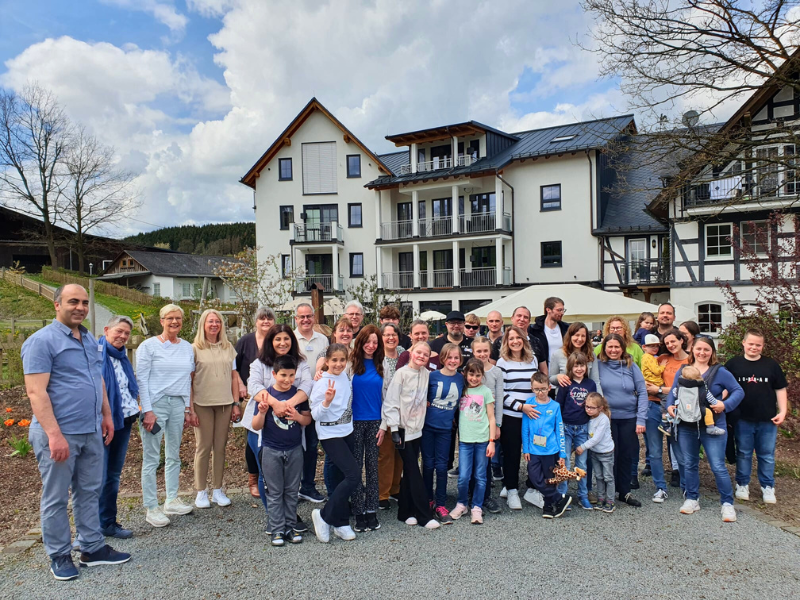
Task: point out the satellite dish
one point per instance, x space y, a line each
691 118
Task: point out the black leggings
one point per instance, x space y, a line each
511 441
336 511
413 500
250 458
626 449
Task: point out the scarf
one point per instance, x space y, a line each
112 385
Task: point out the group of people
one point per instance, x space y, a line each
389 410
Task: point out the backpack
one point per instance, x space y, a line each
692 401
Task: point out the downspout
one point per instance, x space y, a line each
513 229
600 243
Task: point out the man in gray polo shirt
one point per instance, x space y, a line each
63 366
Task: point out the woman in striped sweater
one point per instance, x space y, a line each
518 364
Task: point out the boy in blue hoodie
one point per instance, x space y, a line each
544 446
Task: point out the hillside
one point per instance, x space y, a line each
217 239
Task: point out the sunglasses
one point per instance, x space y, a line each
472 326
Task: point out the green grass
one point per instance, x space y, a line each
783 469
17 302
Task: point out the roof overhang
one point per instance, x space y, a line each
434 134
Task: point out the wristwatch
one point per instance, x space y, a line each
237 403
660 390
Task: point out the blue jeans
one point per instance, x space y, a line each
689 439
655 445
574 436
471 461
435 447
252 441
113 462
759 437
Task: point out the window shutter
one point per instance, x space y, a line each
319 168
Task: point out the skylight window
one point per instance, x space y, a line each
563 138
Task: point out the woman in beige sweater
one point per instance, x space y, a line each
214 404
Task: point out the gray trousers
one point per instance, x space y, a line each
603 469
83 472
282 473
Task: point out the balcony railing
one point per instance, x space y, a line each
303 233
436 226
740 188
477 223
398 280
303 284
443 226
480 277
435 164
397 230
645 272
442 278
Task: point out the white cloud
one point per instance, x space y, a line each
380 66
163 12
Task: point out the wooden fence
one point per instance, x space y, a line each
101 287
29 284
10 362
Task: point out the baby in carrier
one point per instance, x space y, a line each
693 400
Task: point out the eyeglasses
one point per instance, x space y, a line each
540 390
592 407
305 317
472 326
353 314
615 329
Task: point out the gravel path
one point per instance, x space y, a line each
652 551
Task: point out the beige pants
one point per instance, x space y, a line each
211 438
390 468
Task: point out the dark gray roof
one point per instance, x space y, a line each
192 265
538 142
395 160
477 124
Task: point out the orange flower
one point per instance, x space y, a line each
8 410
24 422
8 422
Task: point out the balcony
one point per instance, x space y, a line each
443 226
480 277
439 163
326 280
653 272
322 233
443 279
741 189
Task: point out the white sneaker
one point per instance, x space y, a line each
504 493
411 521
742 492
728 513
202 500
156 517
433 524
533 496
513 500
768 495
690 506
346 533
219 498
321 528
659 496
176 506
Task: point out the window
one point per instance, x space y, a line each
551 254
356 264
186 290
197 289
286 265
319 168
354 165
563 138
284 169
551 197
709 317
156 289
718 241
354 215
755 235
286 216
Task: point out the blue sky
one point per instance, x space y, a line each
191 92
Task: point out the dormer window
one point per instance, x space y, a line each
563 138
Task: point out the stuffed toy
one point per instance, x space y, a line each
564 474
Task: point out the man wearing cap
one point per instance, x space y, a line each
455 335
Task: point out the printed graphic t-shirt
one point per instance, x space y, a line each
473 419
443 394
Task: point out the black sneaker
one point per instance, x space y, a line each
62 568
311 495
384 505
300 525
361 523
491 505
395 498
630 500
562 505
497 473
548 512
647 472
372 522
294 536
277 539
675 480
105 556
635 483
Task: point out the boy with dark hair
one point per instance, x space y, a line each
281 452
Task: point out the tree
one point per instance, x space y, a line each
96 193
372 297
34 137
707 55
255 283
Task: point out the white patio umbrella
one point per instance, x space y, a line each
432 315
333 306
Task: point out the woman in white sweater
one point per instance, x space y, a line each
403 414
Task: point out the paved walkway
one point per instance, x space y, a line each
649 552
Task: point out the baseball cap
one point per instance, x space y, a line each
455 315
651 339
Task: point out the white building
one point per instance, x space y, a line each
462 215
168 274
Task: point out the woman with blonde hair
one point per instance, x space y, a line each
215 403
619 326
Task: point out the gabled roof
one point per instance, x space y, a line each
174 264
444 132
550 141
250 177
395 160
